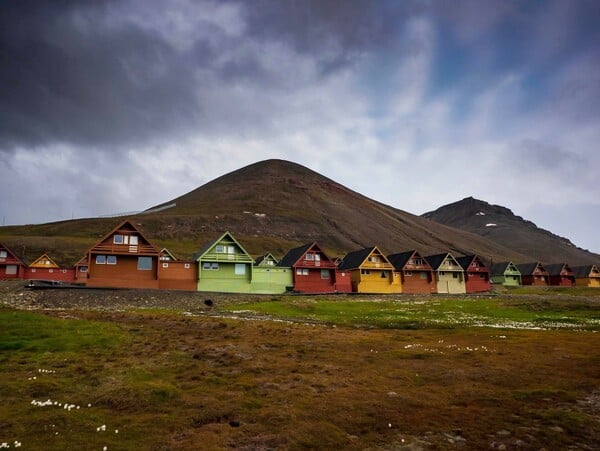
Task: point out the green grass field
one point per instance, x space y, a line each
430 373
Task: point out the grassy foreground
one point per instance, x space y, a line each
164 380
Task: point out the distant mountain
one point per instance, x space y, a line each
271 205
502 226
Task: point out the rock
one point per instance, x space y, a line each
557 429
234 424
503 433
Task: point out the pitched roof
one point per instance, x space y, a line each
527 269
353 260
10 253
44 261
400 259
501 267
437 259
554 269
134 228
583 271
166 251
264 257
212 243
293 255
467 260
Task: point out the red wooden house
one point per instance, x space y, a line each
416 274
124 258
45 268
560 274
81 270
314 271
477 275
11 266
533 274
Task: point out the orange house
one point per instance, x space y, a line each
415 273
11 266
176 274
124 258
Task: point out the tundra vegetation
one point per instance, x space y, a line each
296 372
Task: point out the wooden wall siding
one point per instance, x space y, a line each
563 280
343 282
177 275
224 279
477 282
313 282
272 279
592 281
535 280
124 274
418 282
61 274
374 281
450 282
11 271
507 279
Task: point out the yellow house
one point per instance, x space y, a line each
587 276
371 272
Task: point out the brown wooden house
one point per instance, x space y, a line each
124 258
11 266
314 271
81 270
174 274
45 268
477 274
533 274
560 274
416 274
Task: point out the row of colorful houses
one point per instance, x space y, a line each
126 258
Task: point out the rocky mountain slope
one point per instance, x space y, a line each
501 225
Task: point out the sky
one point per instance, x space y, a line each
116 106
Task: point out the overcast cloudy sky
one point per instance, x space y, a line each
113 106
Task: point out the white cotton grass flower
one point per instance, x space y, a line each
4 445
17 444
101 428
105 448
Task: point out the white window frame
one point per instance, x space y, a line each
11 270
118 239
325 274
111 259
144 259
101 259
239 269
133 240
3 254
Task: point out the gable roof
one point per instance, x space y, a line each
355 259
555 269
527 269
401 259
11 257
41 262
501 267
208 246
165 251
83 261
467 260
437 259
266 257
125 225
584 271
292 257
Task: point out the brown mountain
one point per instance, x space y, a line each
502 226
270 206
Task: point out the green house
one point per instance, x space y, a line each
268 278
505 273
224 266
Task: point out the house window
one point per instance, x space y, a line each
64 271
423 275
214 266
455 275
365 272
3 254
375 259
206 265
302 271
118 239
442 273
111 260
186 266
133 240
165 265
101 259
408 273
50 270
220 249
33 270
144 263
383 274
324 274
270 263
83 269
481 275
309 257
231 249
47 262
11 269
240 269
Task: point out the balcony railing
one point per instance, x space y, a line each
121 249
317 264
214 257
